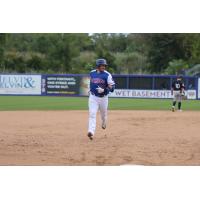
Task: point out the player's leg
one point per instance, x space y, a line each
174 101
173 106
103 107
179 102
179 106
93 108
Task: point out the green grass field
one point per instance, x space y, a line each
80 103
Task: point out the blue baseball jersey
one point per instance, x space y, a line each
100 79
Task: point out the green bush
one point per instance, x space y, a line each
176 66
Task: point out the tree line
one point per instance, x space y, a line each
161 53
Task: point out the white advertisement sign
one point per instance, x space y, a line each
191 94
20 84
199 88
164 94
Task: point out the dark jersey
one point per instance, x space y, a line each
178 85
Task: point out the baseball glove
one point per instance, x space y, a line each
184 97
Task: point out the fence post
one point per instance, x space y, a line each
197 87
186 83
127 82
171 82
153 82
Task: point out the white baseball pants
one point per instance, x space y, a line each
177 96
97 103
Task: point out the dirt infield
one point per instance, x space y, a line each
132 137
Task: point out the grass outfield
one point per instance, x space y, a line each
80 103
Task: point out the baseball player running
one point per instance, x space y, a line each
178 92
101 83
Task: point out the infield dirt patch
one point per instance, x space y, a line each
131 137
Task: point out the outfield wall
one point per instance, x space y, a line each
130 86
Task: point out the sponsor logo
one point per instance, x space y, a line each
163 94
20 84
17 82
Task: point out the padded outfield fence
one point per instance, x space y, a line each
132 86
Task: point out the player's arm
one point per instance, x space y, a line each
111 88
183 89
183 86
90 84
111 84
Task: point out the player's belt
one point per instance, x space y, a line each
99 95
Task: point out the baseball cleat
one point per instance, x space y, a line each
90 135
173 109
103 126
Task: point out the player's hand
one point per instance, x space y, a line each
100 90
183 93
109 86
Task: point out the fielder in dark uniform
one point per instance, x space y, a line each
178 92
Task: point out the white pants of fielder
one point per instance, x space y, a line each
97 103
177 96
